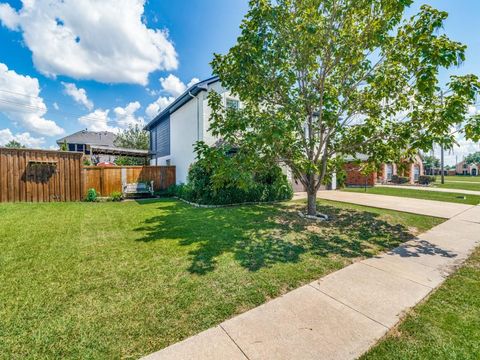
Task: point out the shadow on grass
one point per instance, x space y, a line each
261 236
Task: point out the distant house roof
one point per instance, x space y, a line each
96 138
182 100
118 151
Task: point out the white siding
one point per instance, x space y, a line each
186 130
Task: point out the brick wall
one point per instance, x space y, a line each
356 178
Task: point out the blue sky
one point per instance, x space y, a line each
69 65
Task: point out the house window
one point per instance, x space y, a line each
233 104
416 173
389 172
153 140
71 147
162 137
80 148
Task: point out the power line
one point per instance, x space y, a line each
36 108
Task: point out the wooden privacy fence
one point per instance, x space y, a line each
39 175
53 176
107 180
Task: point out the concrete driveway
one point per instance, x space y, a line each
416 206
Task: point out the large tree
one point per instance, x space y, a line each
133 138
326 79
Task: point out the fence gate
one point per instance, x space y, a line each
40 175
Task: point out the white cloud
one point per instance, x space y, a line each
172 87
55 106
193 82
100 120
97 120
9 17
79 95
25 138
157 106
20 101
125 117
106 41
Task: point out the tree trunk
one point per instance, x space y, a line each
312 202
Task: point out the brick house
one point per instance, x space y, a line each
462 168
355 177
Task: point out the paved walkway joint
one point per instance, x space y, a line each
341 315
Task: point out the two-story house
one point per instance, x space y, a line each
174 132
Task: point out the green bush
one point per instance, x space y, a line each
400 179
263 186
92 195
426 179
116 196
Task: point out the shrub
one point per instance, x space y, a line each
261 186
116 196
400 179
426 179
92 195
169 192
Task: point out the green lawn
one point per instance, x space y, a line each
474 179
446 326
121 280
419 194
475 186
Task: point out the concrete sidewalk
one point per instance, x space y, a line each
345 313
424 188
417 206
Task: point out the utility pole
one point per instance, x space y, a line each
442 149
442 163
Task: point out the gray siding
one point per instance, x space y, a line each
160 138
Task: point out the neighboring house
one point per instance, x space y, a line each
462 168
355 177
98 147
174 132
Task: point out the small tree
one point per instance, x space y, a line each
13 144
64 146
133 138
323 79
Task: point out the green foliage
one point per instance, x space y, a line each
431 162
92 195
13 144
473 158
171 191
87 162
426 179
116 196
64 146
133 138
306 71
400 179
211 181
130 161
